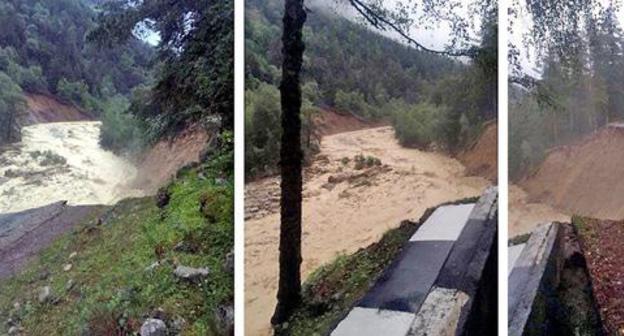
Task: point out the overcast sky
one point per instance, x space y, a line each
436 38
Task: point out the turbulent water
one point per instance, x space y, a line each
62 161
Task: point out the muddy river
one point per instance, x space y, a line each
62 161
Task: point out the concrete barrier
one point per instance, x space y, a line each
533 281
437 285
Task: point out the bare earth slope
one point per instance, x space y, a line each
45 109
344 209
329 122
481 159
584 177
166 157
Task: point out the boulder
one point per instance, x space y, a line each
228 264
44 294
224 317
191 274
154 327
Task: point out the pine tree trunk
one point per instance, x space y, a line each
289 291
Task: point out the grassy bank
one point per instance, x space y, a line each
122 264
331 291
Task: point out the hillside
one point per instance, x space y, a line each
353 70
481 158
125 263
46 108
584 176
116 207
44 52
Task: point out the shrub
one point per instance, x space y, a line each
121 131
417 125
354 102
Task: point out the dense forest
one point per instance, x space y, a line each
578 92
351 69
92 54
43 50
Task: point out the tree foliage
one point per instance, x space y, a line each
580 89
195 78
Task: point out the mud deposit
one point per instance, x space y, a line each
345 208
584 177
62 161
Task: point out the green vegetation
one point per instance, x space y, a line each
331 291
263 131
111 285
578 93
43 50
362 161
353 70
194 76
519 239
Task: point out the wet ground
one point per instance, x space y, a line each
24 234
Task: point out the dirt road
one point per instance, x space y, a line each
344 208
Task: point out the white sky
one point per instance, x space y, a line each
437 38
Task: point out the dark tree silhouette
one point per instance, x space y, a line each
289 292
291 154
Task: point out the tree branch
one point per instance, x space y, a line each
382 23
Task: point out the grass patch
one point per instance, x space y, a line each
331 291
114 289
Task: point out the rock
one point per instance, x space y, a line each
44 275
162 198
224 317
69 285
159 314
14 331
185 247
228 264
45 294
154 327
177 325
73 255
67 267
152 266
191 274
